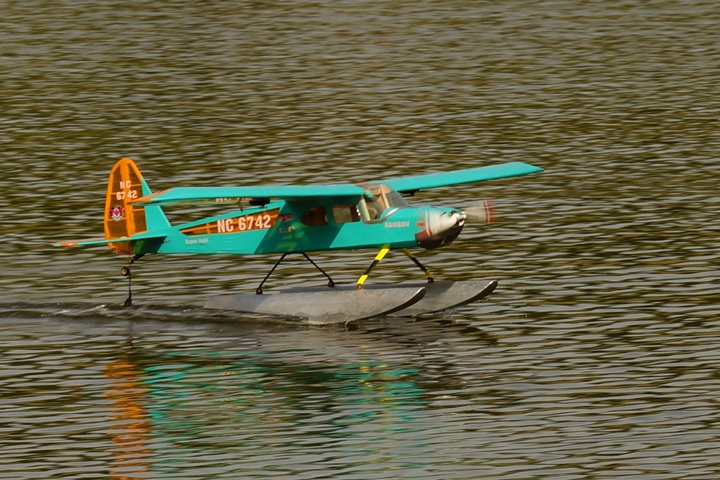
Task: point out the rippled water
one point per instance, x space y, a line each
596 357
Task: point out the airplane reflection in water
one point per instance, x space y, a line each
188 404
185 401
131 435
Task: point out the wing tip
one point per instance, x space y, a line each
145 200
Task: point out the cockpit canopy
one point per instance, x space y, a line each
378 202
381 198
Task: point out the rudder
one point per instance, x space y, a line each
122 219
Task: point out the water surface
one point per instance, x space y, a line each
595 358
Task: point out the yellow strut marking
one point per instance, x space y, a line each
381 254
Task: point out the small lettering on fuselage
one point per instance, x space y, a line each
402 224
195 241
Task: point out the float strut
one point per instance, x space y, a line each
330 280
381 254
259 289
126 272
422 267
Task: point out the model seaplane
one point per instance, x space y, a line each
292 219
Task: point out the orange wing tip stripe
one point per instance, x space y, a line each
150 199
71 243
146 199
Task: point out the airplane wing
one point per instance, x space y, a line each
469 175
193 195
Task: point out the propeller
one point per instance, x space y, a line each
481 212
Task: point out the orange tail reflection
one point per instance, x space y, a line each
130 435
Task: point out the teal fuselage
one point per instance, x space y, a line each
396 227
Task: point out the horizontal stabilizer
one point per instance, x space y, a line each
87 242
90 242
185 195
469 175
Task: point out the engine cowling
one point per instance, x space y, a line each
441 226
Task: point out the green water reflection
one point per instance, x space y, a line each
203 403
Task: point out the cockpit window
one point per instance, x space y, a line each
387 196
394 199
345 214
314 216
383 197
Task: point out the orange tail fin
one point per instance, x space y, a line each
121 219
